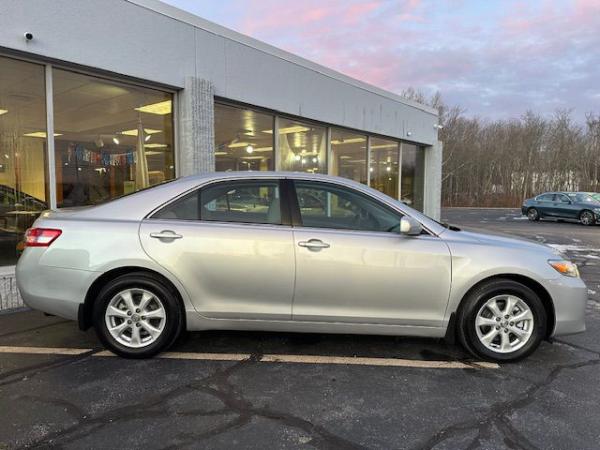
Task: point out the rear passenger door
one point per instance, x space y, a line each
231 245
545 205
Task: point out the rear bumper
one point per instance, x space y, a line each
569 296
53 290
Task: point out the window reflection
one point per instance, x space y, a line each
303 146
111 138
22 152
383 166
413 166
349 155
243 139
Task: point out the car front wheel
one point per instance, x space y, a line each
587 218
137 316
502 320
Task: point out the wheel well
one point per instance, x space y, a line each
86 310
531 284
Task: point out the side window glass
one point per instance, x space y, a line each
245 202
328 206
237 201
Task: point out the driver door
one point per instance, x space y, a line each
352 265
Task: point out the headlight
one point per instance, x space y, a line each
564 267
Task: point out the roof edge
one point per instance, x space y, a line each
219 30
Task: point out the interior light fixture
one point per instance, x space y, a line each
220 153
263 149
160 108
388 168
238 144
348 141
40 134
148 137
155 145
3 111
384 146
134 132
297 157
249 149
286 130
314 160
116 140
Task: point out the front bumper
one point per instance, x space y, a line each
569 297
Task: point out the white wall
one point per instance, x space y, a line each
152 41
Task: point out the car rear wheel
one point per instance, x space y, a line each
587 218
533 214
502 320
137 316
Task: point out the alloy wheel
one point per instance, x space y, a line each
532 214
587 218
504 323
135 318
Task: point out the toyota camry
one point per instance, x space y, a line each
291 252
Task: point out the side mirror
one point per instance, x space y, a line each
410 226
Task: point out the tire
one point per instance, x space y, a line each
137 333
533 214
476 322
587 217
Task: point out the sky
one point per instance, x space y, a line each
494 58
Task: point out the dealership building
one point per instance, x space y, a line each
100 98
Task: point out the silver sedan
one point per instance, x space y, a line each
295 253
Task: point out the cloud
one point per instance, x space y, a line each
496 58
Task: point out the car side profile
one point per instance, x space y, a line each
581 206
291 252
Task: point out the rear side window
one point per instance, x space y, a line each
545 198
238 201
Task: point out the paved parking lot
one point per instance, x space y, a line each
268 390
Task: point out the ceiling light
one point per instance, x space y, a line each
116 140
220 153
384 146
314 160
147 138
297 157
160 108
286 130
303 160
238 144
263 149
155 145
252 157
249 149
40 134
388 168
3 111
348 141
135 132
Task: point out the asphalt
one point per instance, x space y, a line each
88 400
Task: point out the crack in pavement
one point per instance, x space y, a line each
216 385
497 415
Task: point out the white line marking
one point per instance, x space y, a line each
272 358
44 350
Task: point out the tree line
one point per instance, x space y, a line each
502 162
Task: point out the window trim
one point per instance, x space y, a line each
297 216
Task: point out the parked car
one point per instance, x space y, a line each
143 267
581 206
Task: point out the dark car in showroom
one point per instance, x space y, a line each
581 206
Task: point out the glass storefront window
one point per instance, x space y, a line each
302 146
412 180
349 155
110 139
22 152
243 139
383 166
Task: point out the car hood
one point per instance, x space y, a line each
500 241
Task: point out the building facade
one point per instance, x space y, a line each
98 99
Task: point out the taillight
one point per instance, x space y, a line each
41 237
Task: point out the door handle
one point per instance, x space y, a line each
314 244
166 234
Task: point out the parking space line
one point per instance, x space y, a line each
44 350
272 358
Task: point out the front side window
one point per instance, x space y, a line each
330 206
238 201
